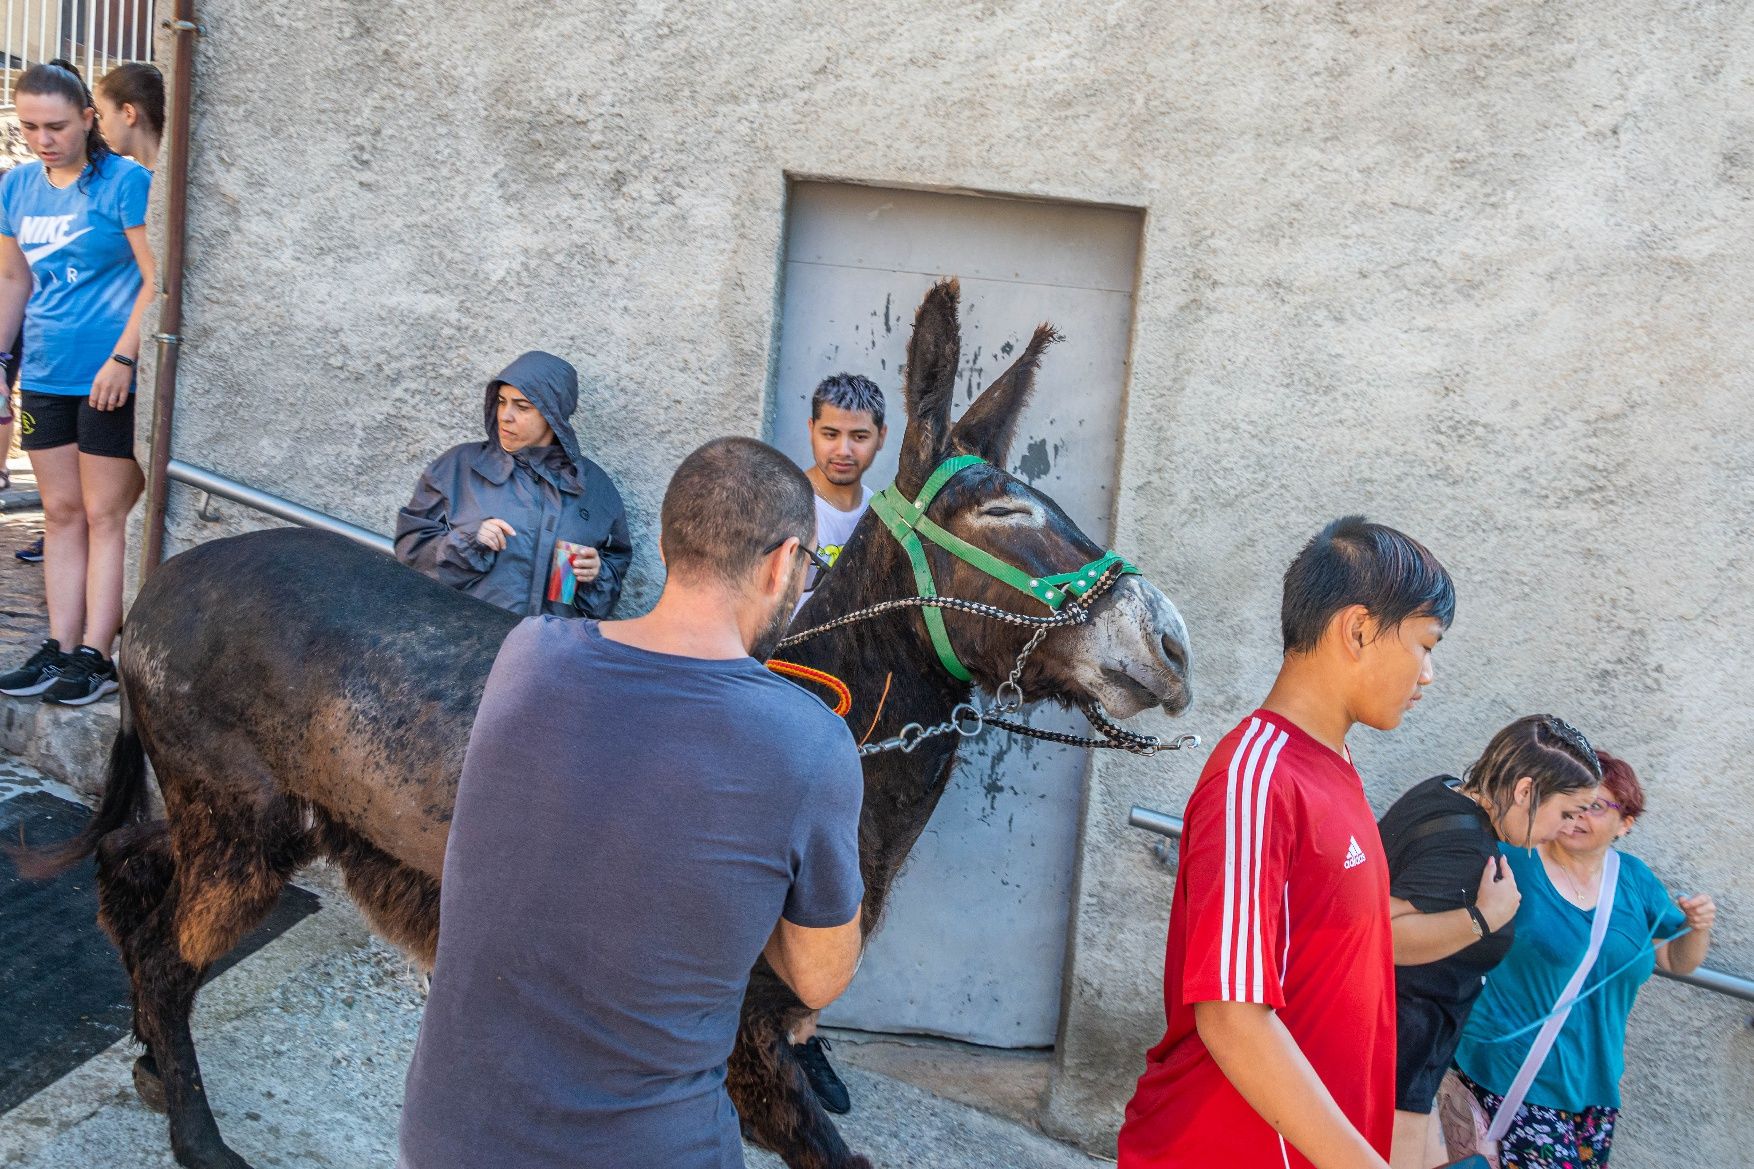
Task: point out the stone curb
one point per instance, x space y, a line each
29 502
67 743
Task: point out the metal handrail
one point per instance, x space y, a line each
1733 985
213 483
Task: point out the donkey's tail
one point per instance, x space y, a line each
123 799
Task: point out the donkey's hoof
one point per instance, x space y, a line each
147 1083
213 1154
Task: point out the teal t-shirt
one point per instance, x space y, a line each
1583 1070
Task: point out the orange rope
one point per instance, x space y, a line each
887 679
843 696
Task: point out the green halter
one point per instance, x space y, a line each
908 523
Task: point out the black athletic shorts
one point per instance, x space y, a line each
1426 1037
52 420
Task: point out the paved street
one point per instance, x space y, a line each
23 622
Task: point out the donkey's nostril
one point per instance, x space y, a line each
1177 653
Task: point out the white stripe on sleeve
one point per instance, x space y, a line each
1245 866
1259 855
1231 880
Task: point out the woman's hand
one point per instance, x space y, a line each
586 566
1499 896
1701 911
109 389
493 533
1685 953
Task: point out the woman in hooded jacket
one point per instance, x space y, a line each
522 520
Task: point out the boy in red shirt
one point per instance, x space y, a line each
1279 980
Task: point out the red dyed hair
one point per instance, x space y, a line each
1620 780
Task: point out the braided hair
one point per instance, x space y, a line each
60 78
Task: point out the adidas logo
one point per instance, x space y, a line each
1354 854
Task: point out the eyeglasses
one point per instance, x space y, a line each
816 559
1600 808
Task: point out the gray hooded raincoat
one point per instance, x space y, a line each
545 493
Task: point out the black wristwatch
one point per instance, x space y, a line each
127 361
1480 926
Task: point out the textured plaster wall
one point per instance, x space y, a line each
1479 270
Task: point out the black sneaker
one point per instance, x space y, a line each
813 1058
37 674
85 677
31 553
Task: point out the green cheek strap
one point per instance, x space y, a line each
907 521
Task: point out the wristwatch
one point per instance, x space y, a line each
127 361
1481 929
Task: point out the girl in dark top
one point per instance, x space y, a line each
1452 900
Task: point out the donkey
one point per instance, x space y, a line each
302 697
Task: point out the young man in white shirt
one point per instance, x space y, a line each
846 432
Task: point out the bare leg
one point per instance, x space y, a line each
111 486
1436 1148
64 542
1413 1143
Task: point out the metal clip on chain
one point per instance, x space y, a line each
966 720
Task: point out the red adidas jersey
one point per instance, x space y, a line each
1282 898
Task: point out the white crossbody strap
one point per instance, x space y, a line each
1525 1075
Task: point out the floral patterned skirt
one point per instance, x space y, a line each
1547 1138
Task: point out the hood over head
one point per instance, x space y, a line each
552 385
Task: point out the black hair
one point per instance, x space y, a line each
60 78
848 391
140 85
728 504
1355 562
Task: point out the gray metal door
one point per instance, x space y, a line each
974 939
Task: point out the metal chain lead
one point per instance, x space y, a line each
968 719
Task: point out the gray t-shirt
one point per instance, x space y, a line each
629 828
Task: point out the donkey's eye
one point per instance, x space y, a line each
999 511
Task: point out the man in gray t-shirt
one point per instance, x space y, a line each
644 811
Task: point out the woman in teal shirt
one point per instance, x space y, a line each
1568 1117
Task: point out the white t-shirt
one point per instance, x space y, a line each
833 528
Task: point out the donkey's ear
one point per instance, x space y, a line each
986 427
929 383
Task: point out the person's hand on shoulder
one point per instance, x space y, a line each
1499 896
493 533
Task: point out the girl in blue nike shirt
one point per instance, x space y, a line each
74 263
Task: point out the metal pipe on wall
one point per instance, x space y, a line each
277 506
170 321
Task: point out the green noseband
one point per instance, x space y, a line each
907 521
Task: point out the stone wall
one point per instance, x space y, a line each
1479 270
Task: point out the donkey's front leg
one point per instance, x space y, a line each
777 1105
